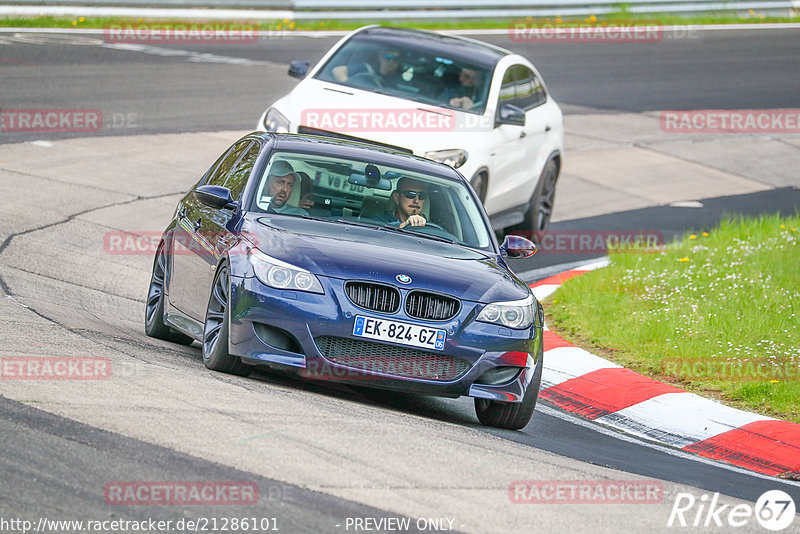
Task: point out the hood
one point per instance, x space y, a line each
356 253
394 121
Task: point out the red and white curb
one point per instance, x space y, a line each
583 383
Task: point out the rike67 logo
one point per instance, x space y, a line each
774 510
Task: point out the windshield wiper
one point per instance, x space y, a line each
420 234
357 223
312 218
339 220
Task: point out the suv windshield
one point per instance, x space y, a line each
359 192
410 70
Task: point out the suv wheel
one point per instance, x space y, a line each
480 183
540 209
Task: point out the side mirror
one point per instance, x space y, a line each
298 69
510 114
515 246
215 196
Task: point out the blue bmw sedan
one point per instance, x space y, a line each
356 263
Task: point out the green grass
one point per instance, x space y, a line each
330 24
715 313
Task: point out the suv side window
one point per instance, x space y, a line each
522 88
507 95
220 174
237 178
528 88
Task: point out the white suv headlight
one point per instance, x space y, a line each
274 121
281 275
518 314
454 157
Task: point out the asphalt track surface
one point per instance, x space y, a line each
54 465
204 90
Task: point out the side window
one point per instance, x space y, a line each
210 171
522 88
507 88
237 178
220 174
528 90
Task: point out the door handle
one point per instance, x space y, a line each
547 128
522 134
198 223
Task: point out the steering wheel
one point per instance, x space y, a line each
429 224
372 79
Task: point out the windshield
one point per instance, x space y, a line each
410 71
358 192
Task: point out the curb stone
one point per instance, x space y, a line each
578 381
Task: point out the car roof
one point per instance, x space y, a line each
360 151
451 46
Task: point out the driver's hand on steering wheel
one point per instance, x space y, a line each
462 102
414 220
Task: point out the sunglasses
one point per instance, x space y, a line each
414 194
393 57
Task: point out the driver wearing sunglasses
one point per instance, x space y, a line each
388 70
408 200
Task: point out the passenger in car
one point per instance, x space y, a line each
408 200
278 189
466 94
388 69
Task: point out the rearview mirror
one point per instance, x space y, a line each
370 181
510 114
215 196
298 69
515 246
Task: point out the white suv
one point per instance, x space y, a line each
477 107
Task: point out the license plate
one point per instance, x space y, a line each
397 332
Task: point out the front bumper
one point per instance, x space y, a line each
292 331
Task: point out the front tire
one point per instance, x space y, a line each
215 330
480 183
540 209
511 415
154 306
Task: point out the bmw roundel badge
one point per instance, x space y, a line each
403 278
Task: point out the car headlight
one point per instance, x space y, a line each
274 121
517 314
454 157
281 275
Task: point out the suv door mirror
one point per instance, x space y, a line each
510 114
515 246
298 69
215 196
